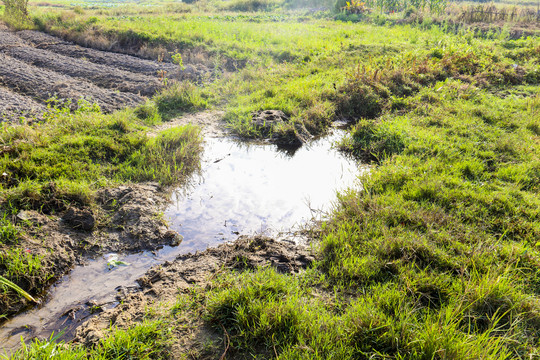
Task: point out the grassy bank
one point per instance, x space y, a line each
50 166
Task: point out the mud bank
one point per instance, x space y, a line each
128 219
162 284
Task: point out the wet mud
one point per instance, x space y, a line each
162 284
128 220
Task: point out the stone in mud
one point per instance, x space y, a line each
265 120
79 219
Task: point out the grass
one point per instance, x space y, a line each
143 341
61 162
437 255
314 70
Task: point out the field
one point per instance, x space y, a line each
435 256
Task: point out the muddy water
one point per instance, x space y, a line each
242 189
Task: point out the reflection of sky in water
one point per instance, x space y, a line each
253 189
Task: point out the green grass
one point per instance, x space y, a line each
314 70
61 162
80 152
143 341
437 255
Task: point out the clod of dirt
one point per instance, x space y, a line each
161 284
44 84
79 219
268 121
265 120
135 222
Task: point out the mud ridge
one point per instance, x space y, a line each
120 61
14 106
45 84
162 284
101 75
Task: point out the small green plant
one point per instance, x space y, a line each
356 7
6 283
8 231
177 59
16 10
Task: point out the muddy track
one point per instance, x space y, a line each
120 61
44 84
13 106
101 75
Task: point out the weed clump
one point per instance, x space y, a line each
375 141
180 97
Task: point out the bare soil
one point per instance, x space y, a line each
44 84
35 67
100 75
117 60
14 106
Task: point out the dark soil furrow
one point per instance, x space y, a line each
14 106
121 61
44 84
8 39
101 75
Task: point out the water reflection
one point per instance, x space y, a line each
241 189
246 189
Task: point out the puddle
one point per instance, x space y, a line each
242 189
247 189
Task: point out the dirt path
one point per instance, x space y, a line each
210 122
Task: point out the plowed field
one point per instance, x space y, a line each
35 67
